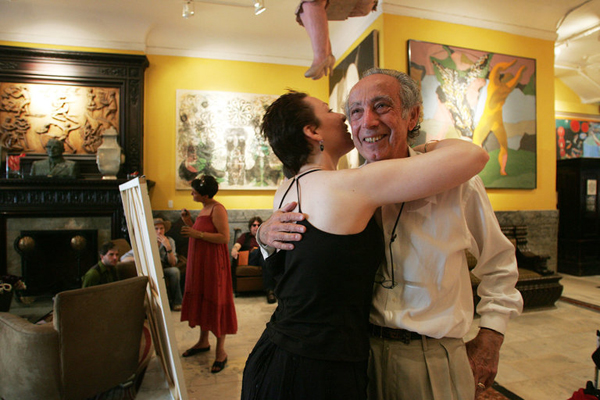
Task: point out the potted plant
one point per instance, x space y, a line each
8 285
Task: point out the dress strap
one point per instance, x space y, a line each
297 178
213 208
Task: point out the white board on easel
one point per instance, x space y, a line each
140 224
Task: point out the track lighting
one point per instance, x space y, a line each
259 7
188 9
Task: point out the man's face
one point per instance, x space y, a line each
111 258
375 112
159 229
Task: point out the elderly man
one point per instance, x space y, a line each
55 165
423 303
106 269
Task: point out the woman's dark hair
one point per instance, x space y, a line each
283 126
206 185
257 219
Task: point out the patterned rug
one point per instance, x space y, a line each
497 392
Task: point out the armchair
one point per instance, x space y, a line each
246 278
92 345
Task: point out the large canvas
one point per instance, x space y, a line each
488 98
138 214
345 75
577 136
218 133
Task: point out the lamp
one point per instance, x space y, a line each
188 9
259 7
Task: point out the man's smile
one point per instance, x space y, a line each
373 139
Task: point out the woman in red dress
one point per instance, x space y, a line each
208 296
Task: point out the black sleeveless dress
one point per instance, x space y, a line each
316 345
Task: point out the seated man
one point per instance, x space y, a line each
247 241
168 259
105 271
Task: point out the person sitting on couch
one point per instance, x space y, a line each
247 241
105 271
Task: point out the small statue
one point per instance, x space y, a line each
55 165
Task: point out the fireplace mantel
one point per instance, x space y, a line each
44 198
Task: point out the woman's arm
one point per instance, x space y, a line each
446 164
221 222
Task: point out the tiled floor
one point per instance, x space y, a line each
545 355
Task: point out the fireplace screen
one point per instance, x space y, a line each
55 260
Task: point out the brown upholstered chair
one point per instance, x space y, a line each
124 269
92 345
248 278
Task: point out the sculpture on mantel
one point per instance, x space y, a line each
55 165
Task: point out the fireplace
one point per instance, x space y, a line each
55 260
53 209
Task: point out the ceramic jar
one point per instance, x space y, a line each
108 156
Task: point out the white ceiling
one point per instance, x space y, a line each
228 29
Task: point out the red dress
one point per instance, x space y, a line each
208 296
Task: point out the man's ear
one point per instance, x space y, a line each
414 118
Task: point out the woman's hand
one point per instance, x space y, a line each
186 217
186 231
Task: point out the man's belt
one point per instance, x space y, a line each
395 334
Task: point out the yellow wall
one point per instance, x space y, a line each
398 30
567 101
165 75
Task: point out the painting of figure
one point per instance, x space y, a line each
488 98
345 75
218 133
577 136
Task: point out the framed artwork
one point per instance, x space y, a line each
73 97
577 136
218 134
488 98
345 75
34 113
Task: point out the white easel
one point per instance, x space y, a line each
140 225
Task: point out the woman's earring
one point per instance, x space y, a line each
321 145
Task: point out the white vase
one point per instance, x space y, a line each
108 156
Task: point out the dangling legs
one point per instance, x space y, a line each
314 19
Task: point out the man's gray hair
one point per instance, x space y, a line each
410 95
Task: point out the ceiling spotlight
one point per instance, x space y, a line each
188 9
259 7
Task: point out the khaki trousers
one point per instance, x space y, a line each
436 369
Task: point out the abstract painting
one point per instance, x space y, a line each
345 75
488 98
218 133
577 136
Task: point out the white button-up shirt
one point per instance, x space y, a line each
433 296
